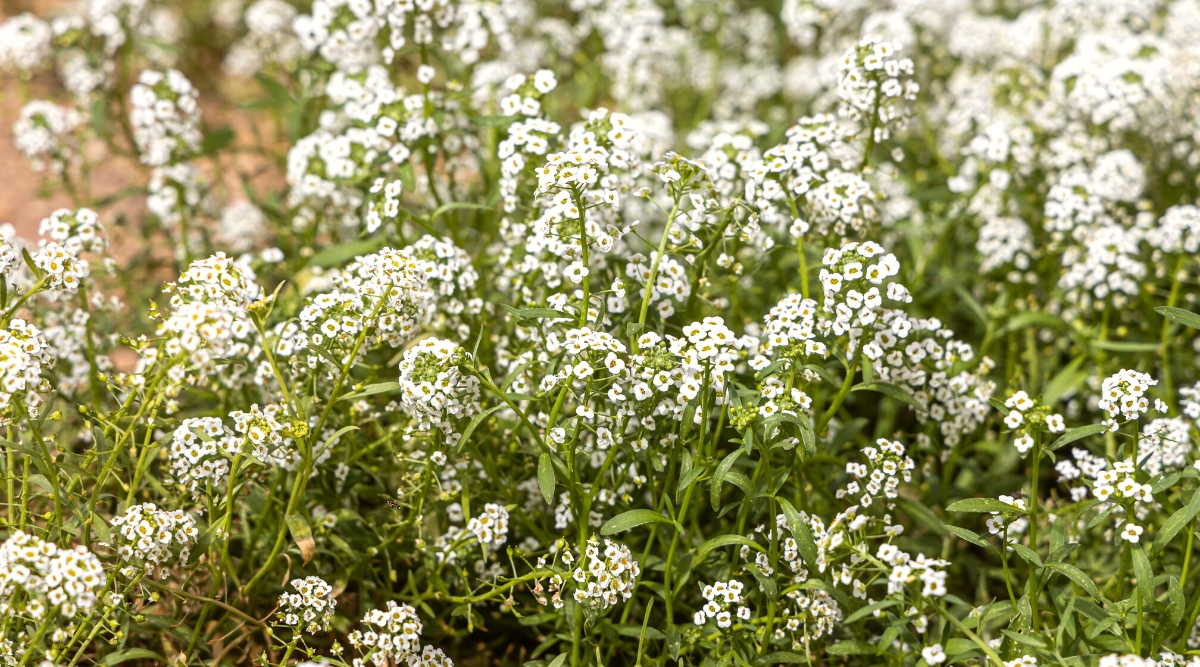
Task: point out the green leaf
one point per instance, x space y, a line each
632 519
632 630
455 205
202 543
1028 555
687 480
1064 381
546 478
1173 614
335 437
1184 317
959 645
765 584
983 505
1125 345
886 639
408 176
1175 523
276 90
371 390
1076 575
890 390
973 537
823 373
494 121
544 313
718 478
923 515
972 305
302 534
217 139
103 533
117 657
868 610
724 541
801 533
782 658
343 252
1027 640
474 424
1077 433
1144 573
1022 320
851 647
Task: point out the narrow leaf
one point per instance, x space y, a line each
632 519
302 534
546 478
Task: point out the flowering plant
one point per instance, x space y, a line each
602 332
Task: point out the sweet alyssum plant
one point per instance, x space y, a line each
611 332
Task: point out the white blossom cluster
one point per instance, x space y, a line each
310 608
1124 393
268 434
152 539
243 225
62 270
200 453
433 387
1165 659
378 297
1026 418
604 577
165 115
888 467
722 596
851 280
24 356
25 42
46 133
269 39
394 634
39 578
208 322
871 78
77 231
490 526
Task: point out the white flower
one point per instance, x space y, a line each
1132 532
933 655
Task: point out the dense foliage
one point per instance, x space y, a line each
539 332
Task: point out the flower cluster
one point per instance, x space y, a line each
394 634
603 578
24 355
721 597
1124 393
165 115
38 577
62 270
433 386
152 539
851 279
77 231
47 134
200 452
888 467
310 608
490 527
871 79
1027 419
269 434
